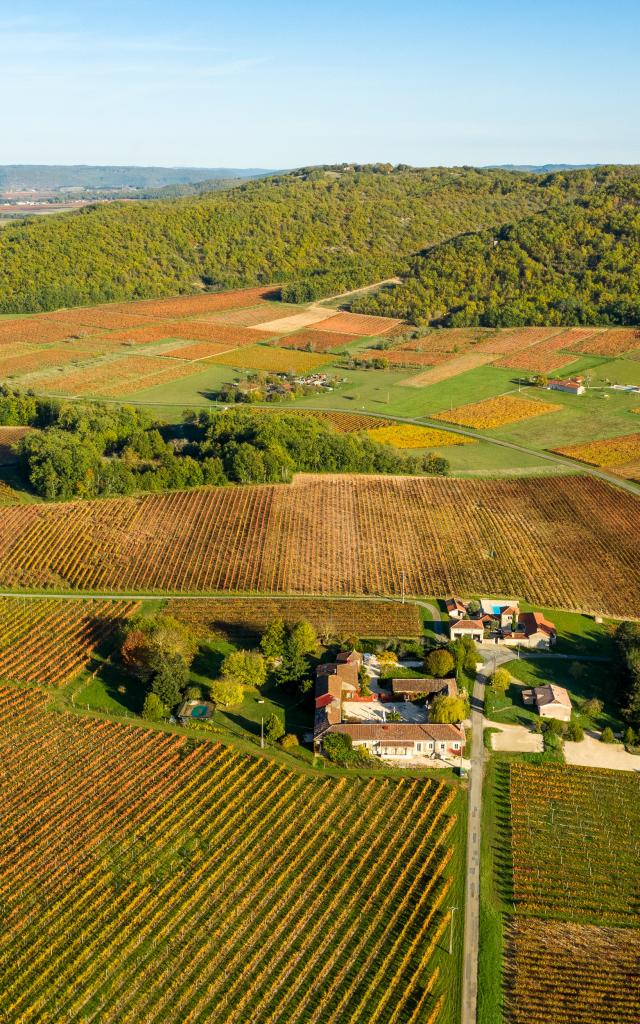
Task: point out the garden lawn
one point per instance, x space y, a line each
597 679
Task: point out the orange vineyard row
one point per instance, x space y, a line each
47 641
144 859
343 535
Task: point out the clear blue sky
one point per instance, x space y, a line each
281 84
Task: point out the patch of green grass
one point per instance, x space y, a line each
493 909
578 635
112 690
596 679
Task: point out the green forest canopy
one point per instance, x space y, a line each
86 450
572 263
320 230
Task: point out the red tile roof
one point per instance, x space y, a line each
393 731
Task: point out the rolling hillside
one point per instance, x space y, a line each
571 263
323 230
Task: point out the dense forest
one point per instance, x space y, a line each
320 230
88 450
572 263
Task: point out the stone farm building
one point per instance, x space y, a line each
551 701
408 689
338 681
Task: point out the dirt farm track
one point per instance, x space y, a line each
567 542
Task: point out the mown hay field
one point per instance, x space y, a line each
338 535
162 880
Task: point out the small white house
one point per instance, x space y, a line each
467 627
551 701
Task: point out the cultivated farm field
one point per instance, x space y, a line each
10 436
172 881
613 451
337 535
47 641
573 944
562 973
575 843
496 412
329 617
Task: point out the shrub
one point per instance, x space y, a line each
289 740
439 663
500 681
338 747
575 732
153 708
193 693
607 735
274 728
592 707
554 726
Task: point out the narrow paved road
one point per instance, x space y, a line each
472 888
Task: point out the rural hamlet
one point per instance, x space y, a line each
337 697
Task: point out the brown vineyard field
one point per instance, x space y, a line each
329 616
342 535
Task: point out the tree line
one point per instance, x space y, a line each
88 450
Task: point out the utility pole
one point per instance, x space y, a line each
452 909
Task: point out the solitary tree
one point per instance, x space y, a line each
273 639
247 668
226 692
500 681
449 710
439 663
274 728
153 708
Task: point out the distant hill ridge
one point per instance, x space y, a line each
17 177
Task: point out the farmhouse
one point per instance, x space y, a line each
502 622
573 385
455 608
402 739
338 681
551 701
473 628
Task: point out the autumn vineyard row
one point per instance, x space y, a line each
342 535
149 879
47 641
573 945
